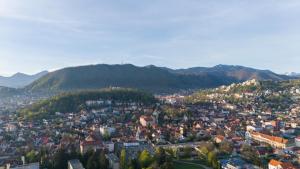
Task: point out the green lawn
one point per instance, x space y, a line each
179 165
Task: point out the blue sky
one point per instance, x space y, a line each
40 35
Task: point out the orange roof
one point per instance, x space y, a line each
275 162
220 137
271 138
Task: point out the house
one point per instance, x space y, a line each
75 164
90 143
274 164
277 142
219 138
147 121
114 162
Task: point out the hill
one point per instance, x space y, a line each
76 101
293 74
268 95
150 78
239 73
20 80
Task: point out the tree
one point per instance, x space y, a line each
145 159
60 159
168 164
123 162
226 147
212 160
31 157
160 156
187 151
133 164
250 154
103 161
86 156
93 162
106 135
203 152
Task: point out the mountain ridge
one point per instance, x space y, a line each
150 78
19 80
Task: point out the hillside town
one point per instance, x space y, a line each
208 129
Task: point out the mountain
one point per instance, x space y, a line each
293 74
20 80
150 78
239 73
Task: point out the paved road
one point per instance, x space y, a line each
200 165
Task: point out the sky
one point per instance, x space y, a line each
38 35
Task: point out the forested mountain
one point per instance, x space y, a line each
150 78
239 73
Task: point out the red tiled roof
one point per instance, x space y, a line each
271 138
275 162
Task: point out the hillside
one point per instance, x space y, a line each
20 80
239 73
150 78
7 92
268 95
75 101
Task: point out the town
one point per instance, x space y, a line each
254 124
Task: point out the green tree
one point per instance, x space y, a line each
160 156
203 152
123 162
145 159
250 154
212 160
133 164
226 147
106 135
32 156
168 164
103 161
93 162
187 152
60 159
86 157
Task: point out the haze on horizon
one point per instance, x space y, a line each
51 34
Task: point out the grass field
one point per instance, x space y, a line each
179 165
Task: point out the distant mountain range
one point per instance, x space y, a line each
238 73
150 78
293 74
20 80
